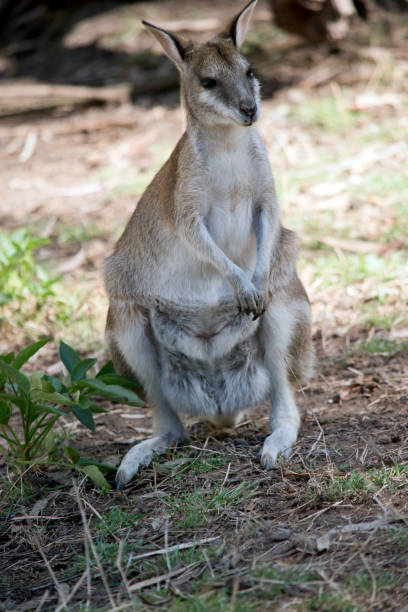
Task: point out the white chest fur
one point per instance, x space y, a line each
227 207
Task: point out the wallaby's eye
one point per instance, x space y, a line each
250 73
208 83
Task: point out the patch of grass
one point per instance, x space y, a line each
384 183
382 346
362 581
327 112
383 318
398 232
192 510
25 285
72 234
356 483
354 268
214 601
14 496
327 601
400 538
277 580
197 465
34 301
134 184
116 520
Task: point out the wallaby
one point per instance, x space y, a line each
206 309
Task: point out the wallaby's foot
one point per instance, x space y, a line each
277 447
141 455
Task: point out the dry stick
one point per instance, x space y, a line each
371 573
235 588
384 508
163 578
74 590
86 502
166 544
319 512
88 573
315 443
162 551
121 570
92 545
60 591
207 560
347 561
226 476
42 601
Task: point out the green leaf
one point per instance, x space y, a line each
68 356
102 466
48 409
55 383
36 380
15 376
28 352
113 392
107 368
53 398
96 476
72 453
5 412
81 368
122 381
9 358
19 400
85 416
5 297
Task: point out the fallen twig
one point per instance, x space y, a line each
163 578
183 546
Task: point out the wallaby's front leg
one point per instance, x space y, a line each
130 339
266 227
198 238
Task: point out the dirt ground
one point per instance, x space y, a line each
328 530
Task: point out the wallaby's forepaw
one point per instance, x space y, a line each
251 301
277 447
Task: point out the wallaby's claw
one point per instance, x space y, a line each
251 302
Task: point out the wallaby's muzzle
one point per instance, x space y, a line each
249 110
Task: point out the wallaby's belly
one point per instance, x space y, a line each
210 364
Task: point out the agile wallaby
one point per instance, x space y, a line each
206 309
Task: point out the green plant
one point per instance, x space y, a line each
26 288
20 275
40 400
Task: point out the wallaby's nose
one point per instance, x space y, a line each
248 109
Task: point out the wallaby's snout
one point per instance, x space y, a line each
249 110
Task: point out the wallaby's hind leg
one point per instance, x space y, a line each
288 355
131 347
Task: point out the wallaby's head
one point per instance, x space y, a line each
218 83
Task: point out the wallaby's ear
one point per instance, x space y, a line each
171 44
239 25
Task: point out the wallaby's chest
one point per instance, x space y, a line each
227 206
